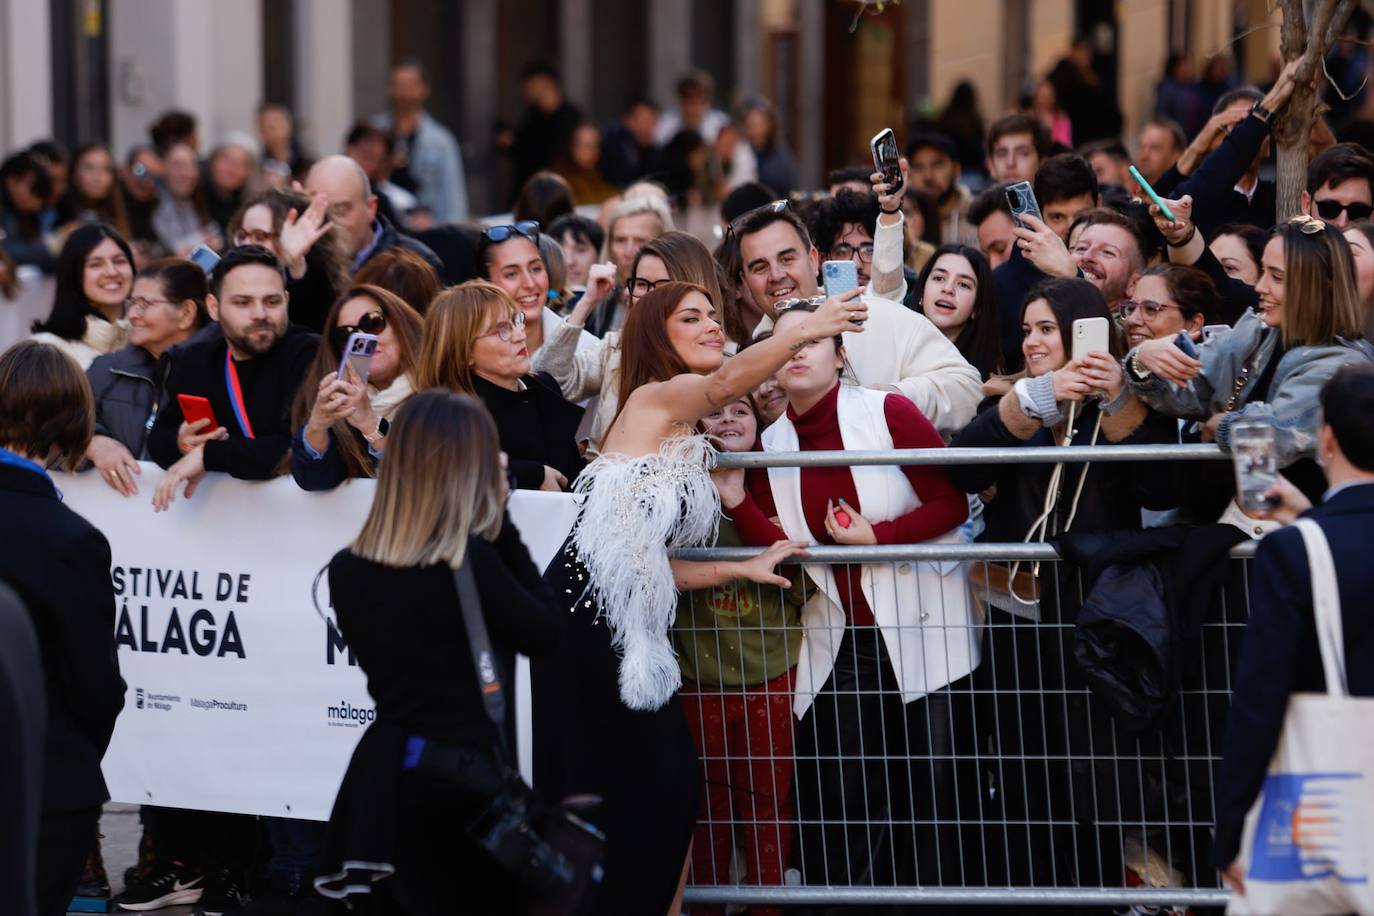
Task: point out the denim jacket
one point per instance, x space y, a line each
437 163
1291 404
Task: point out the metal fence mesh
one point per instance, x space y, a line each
1010 784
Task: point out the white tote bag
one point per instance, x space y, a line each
1308 845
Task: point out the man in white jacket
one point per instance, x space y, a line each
899 350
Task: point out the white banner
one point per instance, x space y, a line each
240 697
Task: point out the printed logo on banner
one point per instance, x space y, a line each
226 705
147 700
204 633
346 715
1304 831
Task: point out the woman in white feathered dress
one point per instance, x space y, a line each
608 720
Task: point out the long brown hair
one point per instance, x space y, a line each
403 272
686 259
454 320
406 326
647 354
1320 301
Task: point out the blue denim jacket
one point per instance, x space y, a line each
1291 405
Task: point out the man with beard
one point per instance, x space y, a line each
249 375
935 170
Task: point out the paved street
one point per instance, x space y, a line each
120 826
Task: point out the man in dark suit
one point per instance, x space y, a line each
1279 655
24 713
59 566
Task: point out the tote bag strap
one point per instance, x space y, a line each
1326 606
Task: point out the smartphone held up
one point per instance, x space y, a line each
887 159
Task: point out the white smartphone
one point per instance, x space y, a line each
839 277
358 354
1091 335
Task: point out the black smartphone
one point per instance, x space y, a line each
887 159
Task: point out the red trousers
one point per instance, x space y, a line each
744 736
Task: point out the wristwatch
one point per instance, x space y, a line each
1264 114
383 427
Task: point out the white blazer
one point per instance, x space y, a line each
929 625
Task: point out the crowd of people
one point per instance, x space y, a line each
817 706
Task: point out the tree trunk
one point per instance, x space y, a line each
1308 34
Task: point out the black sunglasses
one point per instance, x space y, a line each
371 323
526 228
1332 209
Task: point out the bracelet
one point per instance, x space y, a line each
383 426
1133 368
1183 244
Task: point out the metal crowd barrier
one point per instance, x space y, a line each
1010 786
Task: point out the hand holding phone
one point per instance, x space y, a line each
1021 199
1150 192
1256 464
1185 343
1091 335
887 159
195 408
358 353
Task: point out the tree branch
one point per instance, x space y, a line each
1338 20
1249 31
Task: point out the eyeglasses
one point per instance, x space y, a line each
526 228
638 286
844 252
506 329
1126 308
371 323
1332 210
254 237
138 303
776 206
785 304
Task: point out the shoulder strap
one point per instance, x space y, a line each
483 658
1326 606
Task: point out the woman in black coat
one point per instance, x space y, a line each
397 604
474 342
166 308
59 565
1031 709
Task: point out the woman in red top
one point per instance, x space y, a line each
888 647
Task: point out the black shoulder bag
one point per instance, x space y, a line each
554 852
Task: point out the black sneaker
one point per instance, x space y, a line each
173 885
222 894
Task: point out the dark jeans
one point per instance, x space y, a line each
880 783
65 839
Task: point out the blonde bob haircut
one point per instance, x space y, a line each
633 206
454 320
421 516
1320 299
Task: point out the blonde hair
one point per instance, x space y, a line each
452 324
633 206
441 483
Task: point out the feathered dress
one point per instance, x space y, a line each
607 718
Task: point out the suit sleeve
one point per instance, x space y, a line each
323 473
1280 599
1216 177
88 659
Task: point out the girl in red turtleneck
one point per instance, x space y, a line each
888 647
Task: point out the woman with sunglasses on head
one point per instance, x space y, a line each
595 372
341 423
476 340
1271 365
296 229
608 720
509 257
166 308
